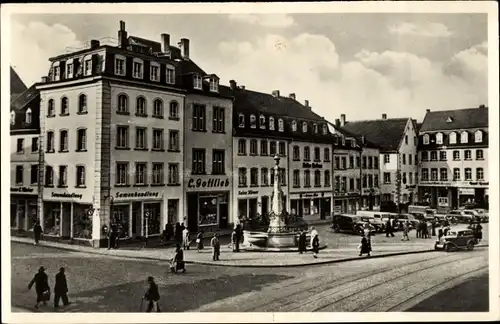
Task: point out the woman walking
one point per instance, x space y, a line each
41 282
185 238
199 241
315 245
365 247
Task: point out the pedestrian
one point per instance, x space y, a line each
419 229
389 227
440 233
152 295
215 244
367 231
119 233
41 282
478 233
37 232
364 247
186 239
164 235
433 226
315 245
302 241
406 229
428 226
111 237
61 288
199 241
170 231
233 240
179 259
238 237
178 233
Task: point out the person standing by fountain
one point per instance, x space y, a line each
215 243
302 241
315 245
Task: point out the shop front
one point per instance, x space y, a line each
347 203
23 208
311 206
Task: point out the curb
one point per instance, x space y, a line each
213 263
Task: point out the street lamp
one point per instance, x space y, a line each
146 219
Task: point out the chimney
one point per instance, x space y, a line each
342 120
363 139
232 84
482 106
337 122
292 96
184 47
242 87
276 93
45 79
122 35
165 43
428 110
384 116
306 103
94 43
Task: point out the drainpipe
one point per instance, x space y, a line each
332 178
398 183
360 177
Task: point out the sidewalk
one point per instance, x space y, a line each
253 259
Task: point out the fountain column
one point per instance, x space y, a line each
277 223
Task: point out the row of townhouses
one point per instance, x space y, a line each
139 134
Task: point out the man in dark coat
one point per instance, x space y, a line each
111 237
238 235
179 259
178 233
388 228
61 289
302 241
152 295
41 282
37 232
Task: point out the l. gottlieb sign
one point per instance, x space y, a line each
211 183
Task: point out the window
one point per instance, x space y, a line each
365 181
456 155
63 176
253 121
425 174
478 136
406 139
442 156
154 73
364 162
453 138
337 163
80 176
137 69
218 120
337 183
34 145
281 125
263 147
327 178
253 147
479 155
64 106
242 147
170 74
140 174
281 148
416 159
317 178
304 127
370 180
439 138
468 155
199 113
63 141
317 154
387 177
82 104
69 70
307 178
49 176
315 128
141 140
351 162
88 67
50 142
343 163
242 177
158 108
119 66
122 103
254 177
81 144
157 178
410 156
296 153
264 177
425 156
122 137
370 161
173 173
12 118
241 120
57 73
20 146
218 162
34 174
358 161
272 148
307 154
140 109
174 110
426 139
456 174
443 174
294 126
271 123
262 122
214 85
468 174
375 181
434 174
19 174
173 140
387 158
464 137
296 178
197 82
157 139
198 161
433 156
326 154
121 173
479 174
28 116
51 110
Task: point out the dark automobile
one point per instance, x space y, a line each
458 239
350 223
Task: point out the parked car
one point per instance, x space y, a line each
402 218
377 224
459 216
458 239
349 223
483 214
480 214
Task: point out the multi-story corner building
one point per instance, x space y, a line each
266 125
397 140
454 158
24 159
112 135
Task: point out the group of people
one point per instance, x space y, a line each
42 288
314 243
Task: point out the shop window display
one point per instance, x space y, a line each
121 220
13 215
82 222
208 211
154 211
52 219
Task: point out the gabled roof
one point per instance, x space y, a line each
455 119
17 85
383 133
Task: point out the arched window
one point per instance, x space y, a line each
157 108
453 138
241 120
140 109
51 111
12 118
478 136
439 138
271 123
262 122
464 137
253 121
64 106
294 126
426 139
82 104
29 116
281 126
63 141
304 127
174 110
122 103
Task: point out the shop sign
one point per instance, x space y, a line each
66 195
137 194
442 201
247 192
410 187
312 165
210 183
466 191
311 195
21 189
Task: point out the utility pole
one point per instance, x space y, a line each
398 184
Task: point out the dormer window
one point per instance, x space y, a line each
170 74
88 66
315 127
325 130
138 69
12 118
271 123
29 116
449 120
304 127
214 85
197 82
253 121
69 70
439 138
426 139
464 137
57 73
281 125
241 121
262 122
154 73
453 138
120 63
294 126
478 136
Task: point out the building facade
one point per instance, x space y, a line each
453 167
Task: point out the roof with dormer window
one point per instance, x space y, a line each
455 119
17 85
29 99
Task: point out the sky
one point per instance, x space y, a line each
358 64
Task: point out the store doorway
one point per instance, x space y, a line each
192 207
265 205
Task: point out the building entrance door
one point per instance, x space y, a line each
252 208
265 205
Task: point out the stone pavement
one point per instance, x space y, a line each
255 259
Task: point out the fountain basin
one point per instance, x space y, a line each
273 242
